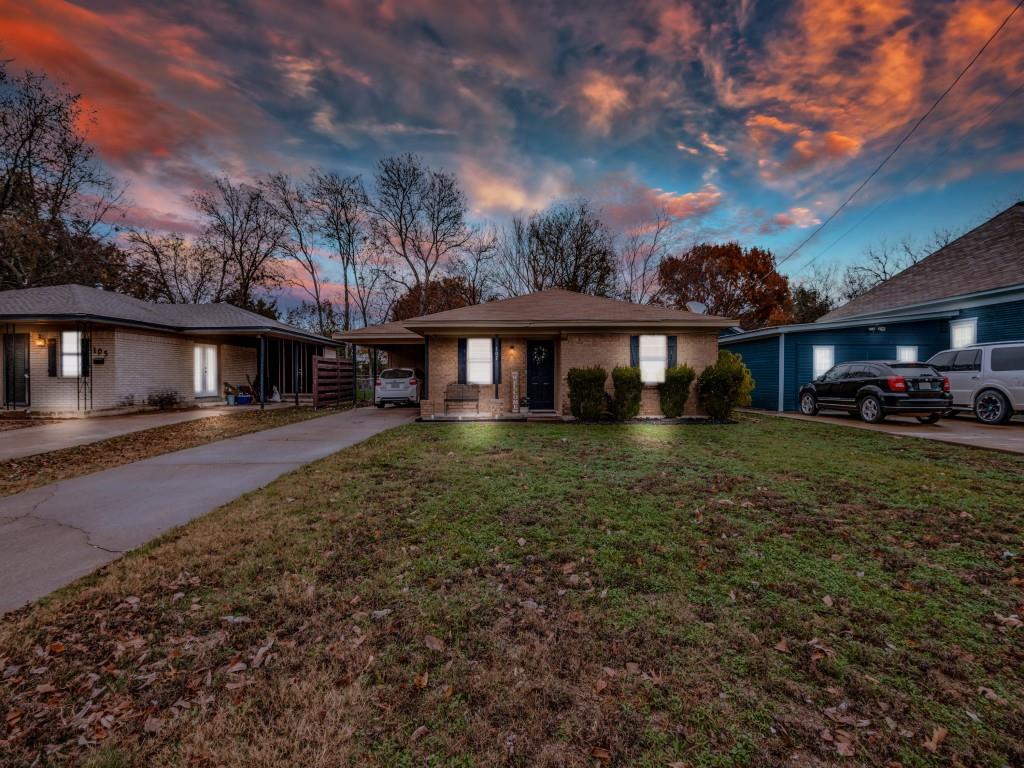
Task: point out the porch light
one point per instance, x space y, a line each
40 340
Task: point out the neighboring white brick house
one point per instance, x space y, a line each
87 351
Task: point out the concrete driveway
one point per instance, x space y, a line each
52 535
962 430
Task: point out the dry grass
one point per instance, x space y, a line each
769 593
21 474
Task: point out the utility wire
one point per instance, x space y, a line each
904 140
914 178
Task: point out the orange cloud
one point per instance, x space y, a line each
603 99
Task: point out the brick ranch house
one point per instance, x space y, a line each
72 350
525 346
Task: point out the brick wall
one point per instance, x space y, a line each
695 348
135 365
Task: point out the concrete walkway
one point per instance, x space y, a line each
68 433
52 535
962 430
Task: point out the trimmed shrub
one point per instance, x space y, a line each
164 399
675 390
587 398
628 388
724 386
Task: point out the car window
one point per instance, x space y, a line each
943 361
396 373
967 360
837 373
919 369
1007 359
859 371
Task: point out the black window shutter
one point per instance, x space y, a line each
634 351
496 350
51 357
673 352
86 349
462 361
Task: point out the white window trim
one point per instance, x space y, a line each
901 354
653 358
954 325
75 353
476 371
816 372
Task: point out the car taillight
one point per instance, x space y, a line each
376 383
413 381
897 384
945 383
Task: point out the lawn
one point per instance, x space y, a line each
767 593
18 475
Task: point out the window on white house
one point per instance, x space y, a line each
205 370
906 354
653 359
963 333
479 361
70 353
823 360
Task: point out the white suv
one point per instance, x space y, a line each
985 378
397 385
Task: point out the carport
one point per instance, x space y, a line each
404 348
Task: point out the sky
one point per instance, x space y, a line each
748 120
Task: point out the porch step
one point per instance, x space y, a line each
543 416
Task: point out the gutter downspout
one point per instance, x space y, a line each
782 372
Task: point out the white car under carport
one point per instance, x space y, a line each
399 386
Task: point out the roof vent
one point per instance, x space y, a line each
697 307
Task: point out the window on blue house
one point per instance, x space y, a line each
963 333
906 354
823 360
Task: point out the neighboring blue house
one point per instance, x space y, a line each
968 292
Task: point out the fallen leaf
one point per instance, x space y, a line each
152 725
56 647
419 733
600 753
600 685
420 681
939 735
435 644
827 600
782 646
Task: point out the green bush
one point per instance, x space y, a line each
587 398
628 388
675 390
724 386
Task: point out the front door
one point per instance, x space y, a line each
16 392
540 375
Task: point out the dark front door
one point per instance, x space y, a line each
16 370
540 375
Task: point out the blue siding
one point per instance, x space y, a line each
998 322
761 356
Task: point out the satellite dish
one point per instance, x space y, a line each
697 307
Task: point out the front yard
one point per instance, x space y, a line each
768 593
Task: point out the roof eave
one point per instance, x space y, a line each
537 325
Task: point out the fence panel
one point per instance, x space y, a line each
334 381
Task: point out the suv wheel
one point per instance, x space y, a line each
870 408
808 404
991 407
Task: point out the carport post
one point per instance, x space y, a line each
355 378
295 371
262 350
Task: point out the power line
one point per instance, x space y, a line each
915 177
905 138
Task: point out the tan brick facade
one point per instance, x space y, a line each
136 364
608 350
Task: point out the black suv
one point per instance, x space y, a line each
875 389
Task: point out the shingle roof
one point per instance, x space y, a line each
559 308
387 333
989 257
82 302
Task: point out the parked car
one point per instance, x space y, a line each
985 378
397 385
875 389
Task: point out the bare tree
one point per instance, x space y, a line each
642 251
566 246
418 218
374 291
886 260
179 271
292 203
473 266
340 206
245 233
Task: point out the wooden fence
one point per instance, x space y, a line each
334 381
